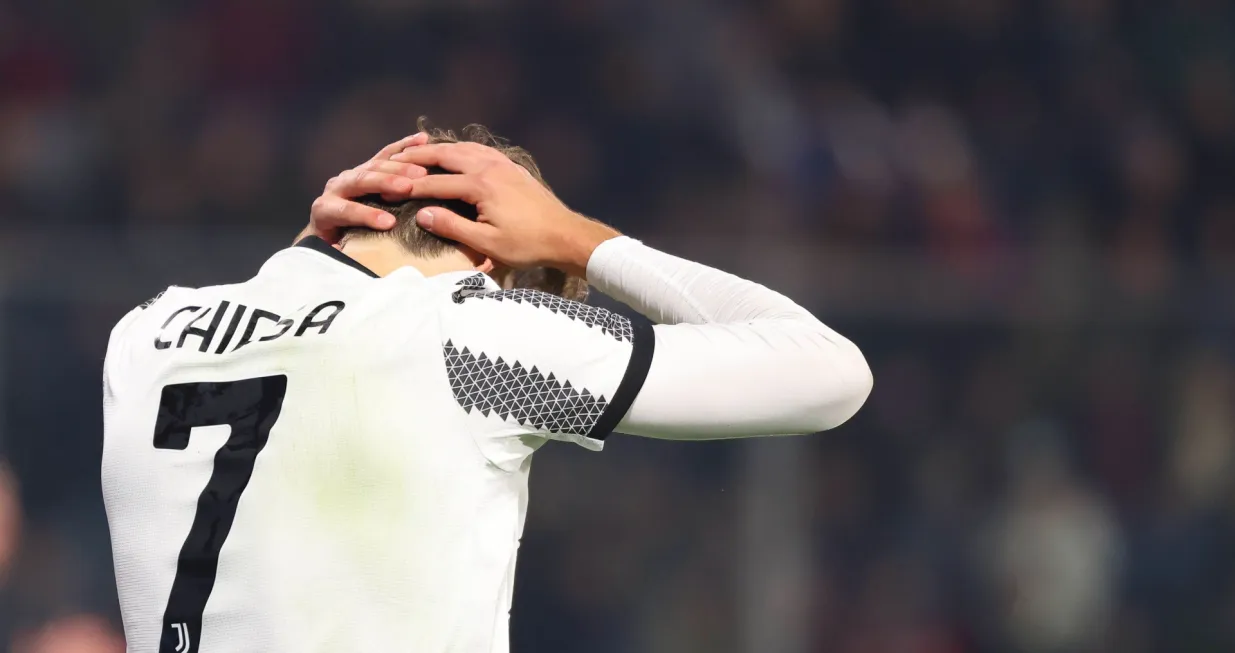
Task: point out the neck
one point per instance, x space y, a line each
384 256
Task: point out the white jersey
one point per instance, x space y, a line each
318 459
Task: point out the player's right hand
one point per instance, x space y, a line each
521 223
334 209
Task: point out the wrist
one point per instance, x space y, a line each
608 262
587 235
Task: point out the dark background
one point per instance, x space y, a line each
1021 210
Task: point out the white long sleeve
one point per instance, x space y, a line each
732 358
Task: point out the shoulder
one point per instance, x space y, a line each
558 368
157 312
119 347
477 298
124 323
146 308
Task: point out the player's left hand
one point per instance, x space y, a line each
334 209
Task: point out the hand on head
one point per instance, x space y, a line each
520 223
334 209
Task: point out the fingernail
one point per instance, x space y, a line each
425 219
386 221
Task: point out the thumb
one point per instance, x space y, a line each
452 226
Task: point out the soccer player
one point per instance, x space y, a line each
334 454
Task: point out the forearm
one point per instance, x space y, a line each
720 381
671 290
733 358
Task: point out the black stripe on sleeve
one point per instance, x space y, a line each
644 346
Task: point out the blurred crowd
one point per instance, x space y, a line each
1022 210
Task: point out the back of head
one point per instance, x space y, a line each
421 243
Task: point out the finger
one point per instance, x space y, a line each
393 198
419 138
448 187
472 150
455 157
451 225
393 168
333 212
358 181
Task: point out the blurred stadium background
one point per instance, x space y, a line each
1022 210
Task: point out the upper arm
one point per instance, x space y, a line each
763 377
547 366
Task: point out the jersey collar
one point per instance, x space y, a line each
322 247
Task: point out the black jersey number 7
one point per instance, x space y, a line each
250 407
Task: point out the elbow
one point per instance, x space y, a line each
850 384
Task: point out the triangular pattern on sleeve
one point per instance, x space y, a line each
526 395
611 324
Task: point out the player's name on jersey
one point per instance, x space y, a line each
202 327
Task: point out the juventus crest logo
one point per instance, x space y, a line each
184 641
